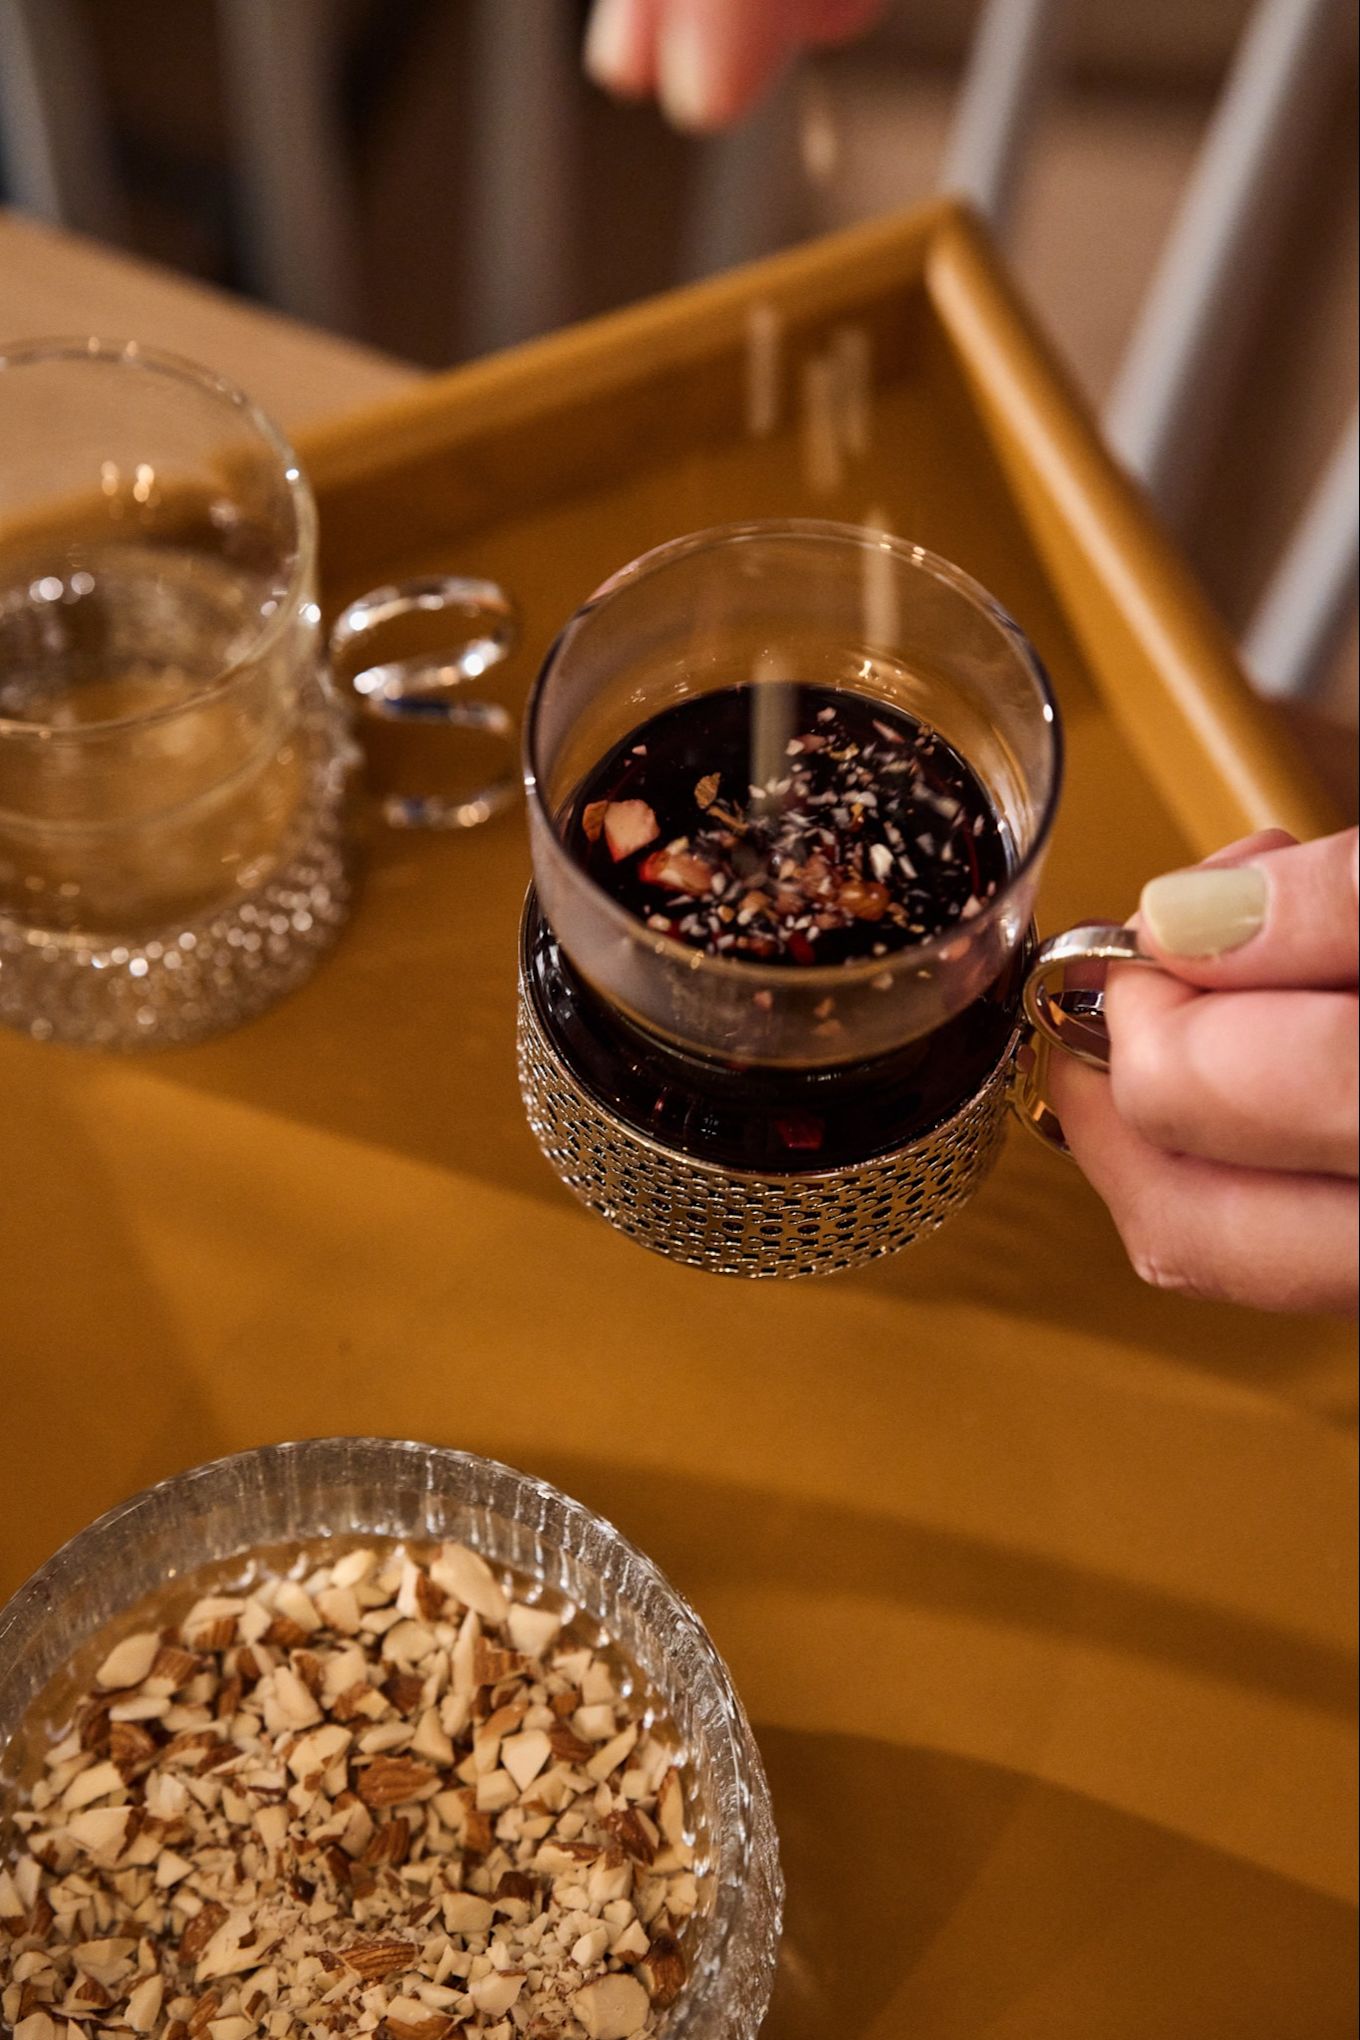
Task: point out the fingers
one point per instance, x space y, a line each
1247 847
1224 1139
620 46
1275 1241
1264 1080
709 61
1283 916
716 57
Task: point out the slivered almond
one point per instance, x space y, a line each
670 1809
131 1747
430 1599
389 1843
129 1662
490 1665
228 1699
391 1781
404 1690
143 2007
173 1668
663 1970
90 1995
613 2008
532 1630
375 1959
477 1835
98 1782
495 1993
94 1724
350 1703
525 1755
466 1913
422 2024
569 1748
285 1634
204 2013
466 1575
35 2026
292 1600
102 1831
635 1834
200 1931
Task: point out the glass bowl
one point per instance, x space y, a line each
384 1487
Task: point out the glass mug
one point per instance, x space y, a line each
174 756
695 1076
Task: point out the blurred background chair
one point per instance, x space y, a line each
439 179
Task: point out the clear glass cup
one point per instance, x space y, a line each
174 760
172 766
281 1494
830 606
728 1108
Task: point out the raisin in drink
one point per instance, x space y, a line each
789 789
869 835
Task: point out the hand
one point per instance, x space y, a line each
1224 1138
709 61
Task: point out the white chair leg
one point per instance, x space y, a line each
1014 46
1175 377
290 159
1312 592
54 138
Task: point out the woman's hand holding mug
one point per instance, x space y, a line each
1224 1138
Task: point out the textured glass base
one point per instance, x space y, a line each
222 966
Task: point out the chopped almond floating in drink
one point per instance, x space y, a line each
871 835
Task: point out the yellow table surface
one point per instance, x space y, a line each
1037 1585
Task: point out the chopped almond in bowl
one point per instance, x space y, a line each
357 1784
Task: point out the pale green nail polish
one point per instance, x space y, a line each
1204 913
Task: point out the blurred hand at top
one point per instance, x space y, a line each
709 61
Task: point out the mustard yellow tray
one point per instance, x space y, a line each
1036 1583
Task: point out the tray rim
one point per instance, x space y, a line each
1201 695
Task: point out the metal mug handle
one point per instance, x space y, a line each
424 688
1070 1021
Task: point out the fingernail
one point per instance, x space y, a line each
1204 913
609 41
686 80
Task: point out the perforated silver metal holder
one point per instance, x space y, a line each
739 1222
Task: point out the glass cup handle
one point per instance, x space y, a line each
424 688
1072 1021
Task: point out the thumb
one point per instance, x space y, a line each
1283 916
